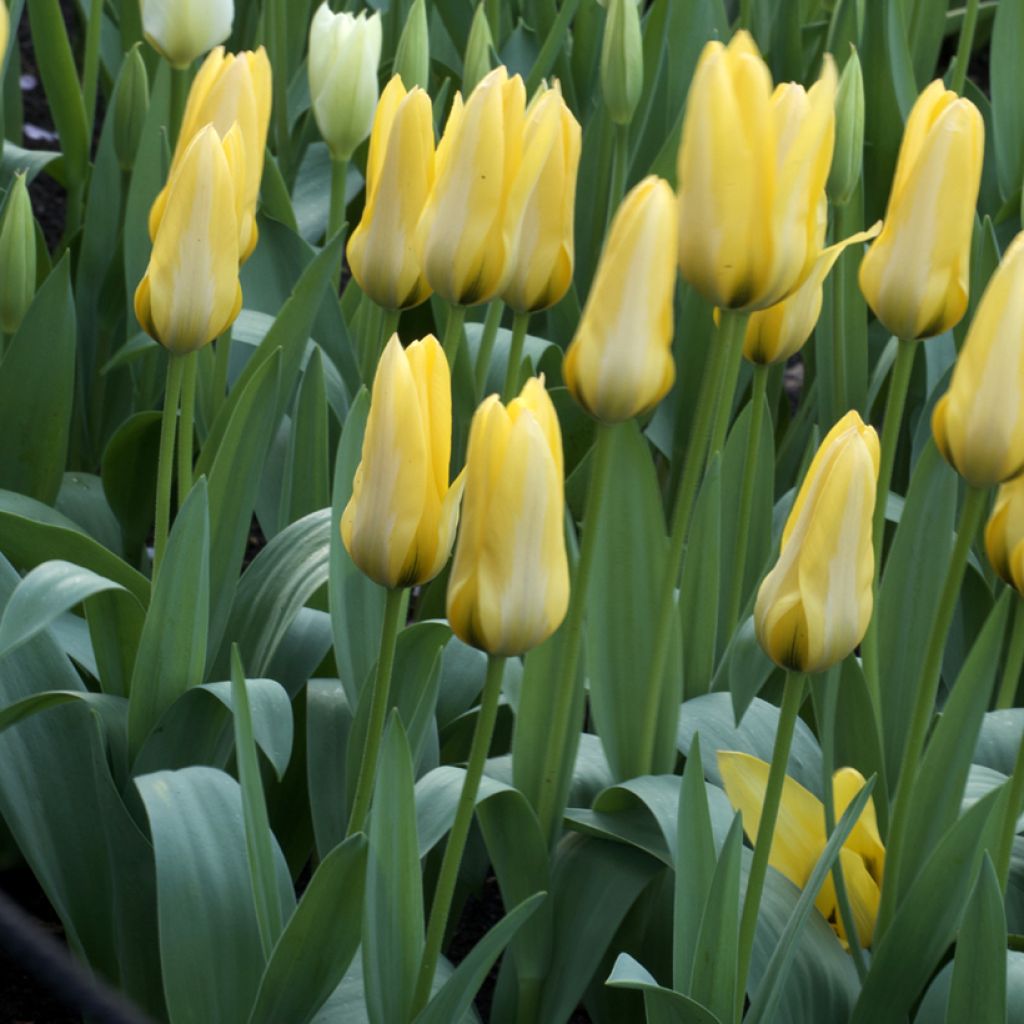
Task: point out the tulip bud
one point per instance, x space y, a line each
752 170
778 332
229 89
412 57
400 522
509 584
814 607
620 361
469 232
848 158
978 423
399 174
916 275
344 51
130 104
477 63
191 293
542 270
5 28
182 30
1004 534
622 60
17 256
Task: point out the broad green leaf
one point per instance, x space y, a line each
82 500
1007 83
933 1006
129 474
328 730
999 740
663 1005
744 668
307 471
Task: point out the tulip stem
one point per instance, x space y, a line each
222 360
732 331
1014 660
91 61
620 171
1004 851
487 339
165 462
453 333
964 47
179 96
927 685
389 326
456 845
758 402
565 691
336 214
792 698
520 323
379 700
277 11
187 426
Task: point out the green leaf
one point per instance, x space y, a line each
37 375
926 23
328 732
129 474
172 650
663 1005
1007 83
307 471
933 1006
744 668
319 941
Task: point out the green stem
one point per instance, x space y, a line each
528 1003
927 685
758 401
964 46
371 323
733 335
442 905
336 215
389 326
620 170
279 9
165 462
453 333
91 61
837 284
73 212
520 323
792 698
379 700
564 693
745 18
487 339
221 362
187 426
179 97
1014 661
720 374
1004 851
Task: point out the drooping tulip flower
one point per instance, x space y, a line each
814 607
1004 534
916 275
191 293
509 585
182 30
382 251
400 522
752 170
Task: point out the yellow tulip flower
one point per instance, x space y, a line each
5 27
979 423
1004 534
620 361
778 332
182 30
229 89
799 837
543 266
400 522
509 585
399 174
191 292
916 276
752 170
814 606
469 231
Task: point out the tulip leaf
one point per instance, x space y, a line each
129 471
307 469
926 22
1007 83
933 1006
999 738
328 730
663 1006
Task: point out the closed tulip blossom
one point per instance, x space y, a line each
799 837
979 423
191 293
752 169
1004 534
509 584
182 30
399 173
620 361
229 89
814 607
400 522
916 275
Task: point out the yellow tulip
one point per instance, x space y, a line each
229 89
399 173
814 607
799 837
5 28
752 170
979 423
191 292
400 522
182 30
620 361
778 332
1004 534
509 586
469 231
542 269
916 275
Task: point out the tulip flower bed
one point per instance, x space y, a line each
515 512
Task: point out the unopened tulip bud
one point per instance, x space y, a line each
344 51
477 63
182 30
5 28
130 105
848 158
1004 534
622 60
17 257
412 57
